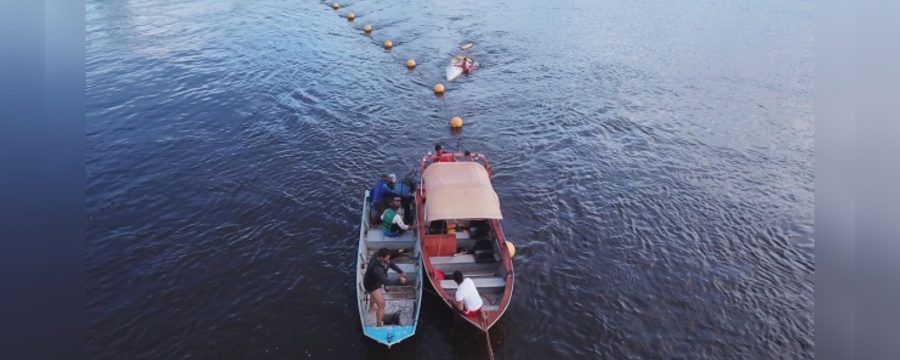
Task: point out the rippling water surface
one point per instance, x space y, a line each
654 162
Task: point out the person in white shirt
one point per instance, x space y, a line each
467 299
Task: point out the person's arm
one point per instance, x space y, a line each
386 190
397 269
398 220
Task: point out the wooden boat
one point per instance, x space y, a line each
402 302
457 208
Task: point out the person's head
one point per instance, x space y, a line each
438 148
392 178
384 254
396 202
467 153
458 276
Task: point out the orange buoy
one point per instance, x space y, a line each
511 248
351 16
335 6
388 44
439 89
411 64
367 28
456 122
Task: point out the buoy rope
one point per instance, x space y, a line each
457 135
487 336
446 109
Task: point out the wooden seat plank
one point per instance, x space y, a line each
486 282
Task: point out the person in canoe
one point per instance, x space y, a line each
376 277
465 62
392 224
468 301
468 65
459 65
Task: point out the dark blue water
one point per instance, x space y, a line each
654 162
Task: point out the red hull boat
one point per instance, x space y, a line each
459 217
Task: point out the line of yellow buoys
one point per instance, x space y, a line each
456 122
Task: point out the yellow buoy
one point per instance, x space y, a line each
388 44
335 6
456 122
367 28
439 89
511 248
351 16
410 63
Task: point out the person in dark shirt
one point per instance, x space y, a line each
381 194
442 156
375 279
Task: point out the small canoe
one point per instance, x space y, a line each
453 71
402 302
459 65
457 208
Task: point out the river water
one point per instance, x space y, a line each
653 159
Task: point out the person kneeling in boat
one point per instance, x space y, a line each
467 298
375 279
392 224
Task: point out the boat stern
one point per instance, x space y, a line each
389 335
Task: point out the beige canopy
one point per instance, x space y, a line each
460 191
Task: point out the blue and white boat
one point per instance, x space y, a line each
402 302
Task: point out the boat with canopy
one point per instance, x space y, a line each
458 219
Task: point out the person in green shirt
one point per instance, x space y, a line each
392 224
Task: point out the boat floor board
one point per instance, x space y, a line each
405 258
394 279
469 269
376 236
396 294
487 282
408 267
404 308
397 287
474 273
458 259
